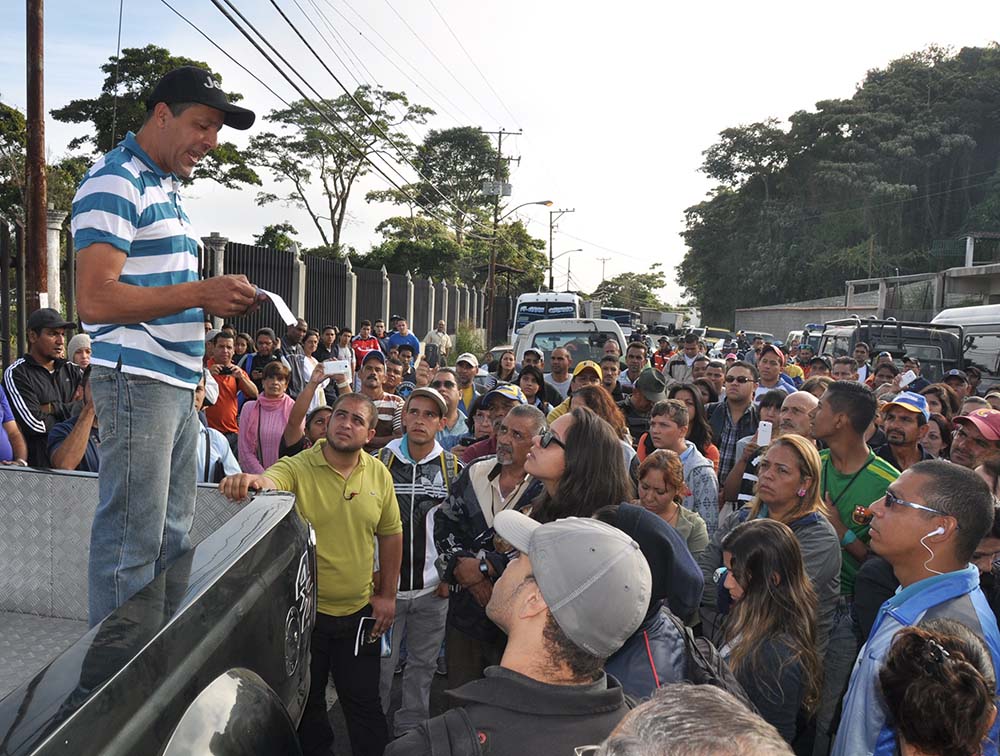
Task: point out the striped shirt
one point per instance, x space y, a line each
127 201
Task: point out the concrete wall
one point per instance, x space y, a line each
780 320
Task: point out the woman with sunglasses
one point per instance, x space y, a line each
788 491
579 461
770 633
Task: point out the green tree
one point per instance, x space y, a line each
307 147
453 164
62 176
857 187
139 69
632 290
276 236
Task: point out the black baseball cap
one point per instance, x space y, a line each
193 84
46 317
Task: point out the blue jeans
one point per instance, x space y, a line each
838 663
149 445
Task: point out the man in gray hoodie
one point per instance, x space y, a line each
668 428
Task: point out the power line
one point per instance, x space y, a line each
473 62
467 118
441 62
353 99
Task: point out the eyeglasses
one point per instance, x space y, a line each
443 384
864 515
548 437
740 379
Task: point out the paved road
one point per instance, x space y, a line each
341 746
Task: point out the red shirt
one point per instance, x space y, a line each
222 415
362 347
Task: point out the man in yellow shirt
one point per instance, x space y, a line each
348 497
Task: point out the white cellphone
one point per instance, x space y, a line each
907 378
336 367
763 433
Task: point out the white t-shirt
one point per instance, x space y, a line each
561 386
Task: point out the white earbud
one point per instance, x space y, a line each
939 531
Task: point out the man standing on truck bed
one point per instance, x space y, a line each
144 309
348 497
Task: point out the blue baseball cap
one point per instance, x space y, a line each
912 402
374 354
507 391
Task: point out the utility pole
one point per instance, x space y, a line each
603 261
491 284
569 260
554 215
36 238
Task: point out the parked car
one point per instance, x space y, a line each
583 337
938 346
212 656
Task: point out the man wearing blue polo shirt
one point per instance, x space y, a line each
402 335
144 308
927 526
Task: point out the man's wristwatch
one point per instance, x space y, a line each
484 568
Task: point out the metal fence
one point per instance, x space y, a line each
423 306
399 297
13 315
327 285
372 304
269 269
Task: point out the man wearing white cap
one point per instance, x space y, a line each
465 370
576 593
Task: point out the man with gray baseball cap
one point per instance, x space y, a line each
578 589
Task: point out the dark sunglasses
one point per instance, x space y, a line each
740 379
550 438
864 515
443 384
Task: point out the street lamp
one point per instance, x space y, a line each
561 254
491 278
554 215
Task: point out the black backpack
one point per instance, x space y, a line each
704 664
451 734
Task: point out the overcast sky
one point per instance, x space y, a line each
617 102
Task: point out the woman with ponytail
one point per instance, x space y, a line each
938 685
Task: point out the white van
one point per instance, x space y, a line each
982 339
544 305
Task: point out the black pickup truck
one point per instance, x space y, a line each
212 657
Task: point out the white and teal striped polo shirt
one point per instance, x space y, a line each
127 201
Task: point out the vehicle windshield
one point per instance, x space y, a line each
582 345
624 318
530 312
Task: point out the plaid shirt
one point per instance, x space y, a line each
727 433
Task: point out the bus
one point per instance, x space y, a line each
544 305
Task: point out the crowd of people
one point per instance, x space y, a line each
659 551
800 558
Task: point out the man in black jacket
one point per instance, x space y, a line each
422 473
577 591
42 385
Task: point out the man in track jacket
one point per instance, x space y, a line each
422 474
927 527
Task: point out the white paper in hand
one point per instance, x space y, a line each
280 305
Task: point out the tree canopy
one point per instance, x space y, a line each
139 69
632 290
332 152
856 188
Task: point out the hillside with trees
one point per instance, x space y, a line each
858 187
